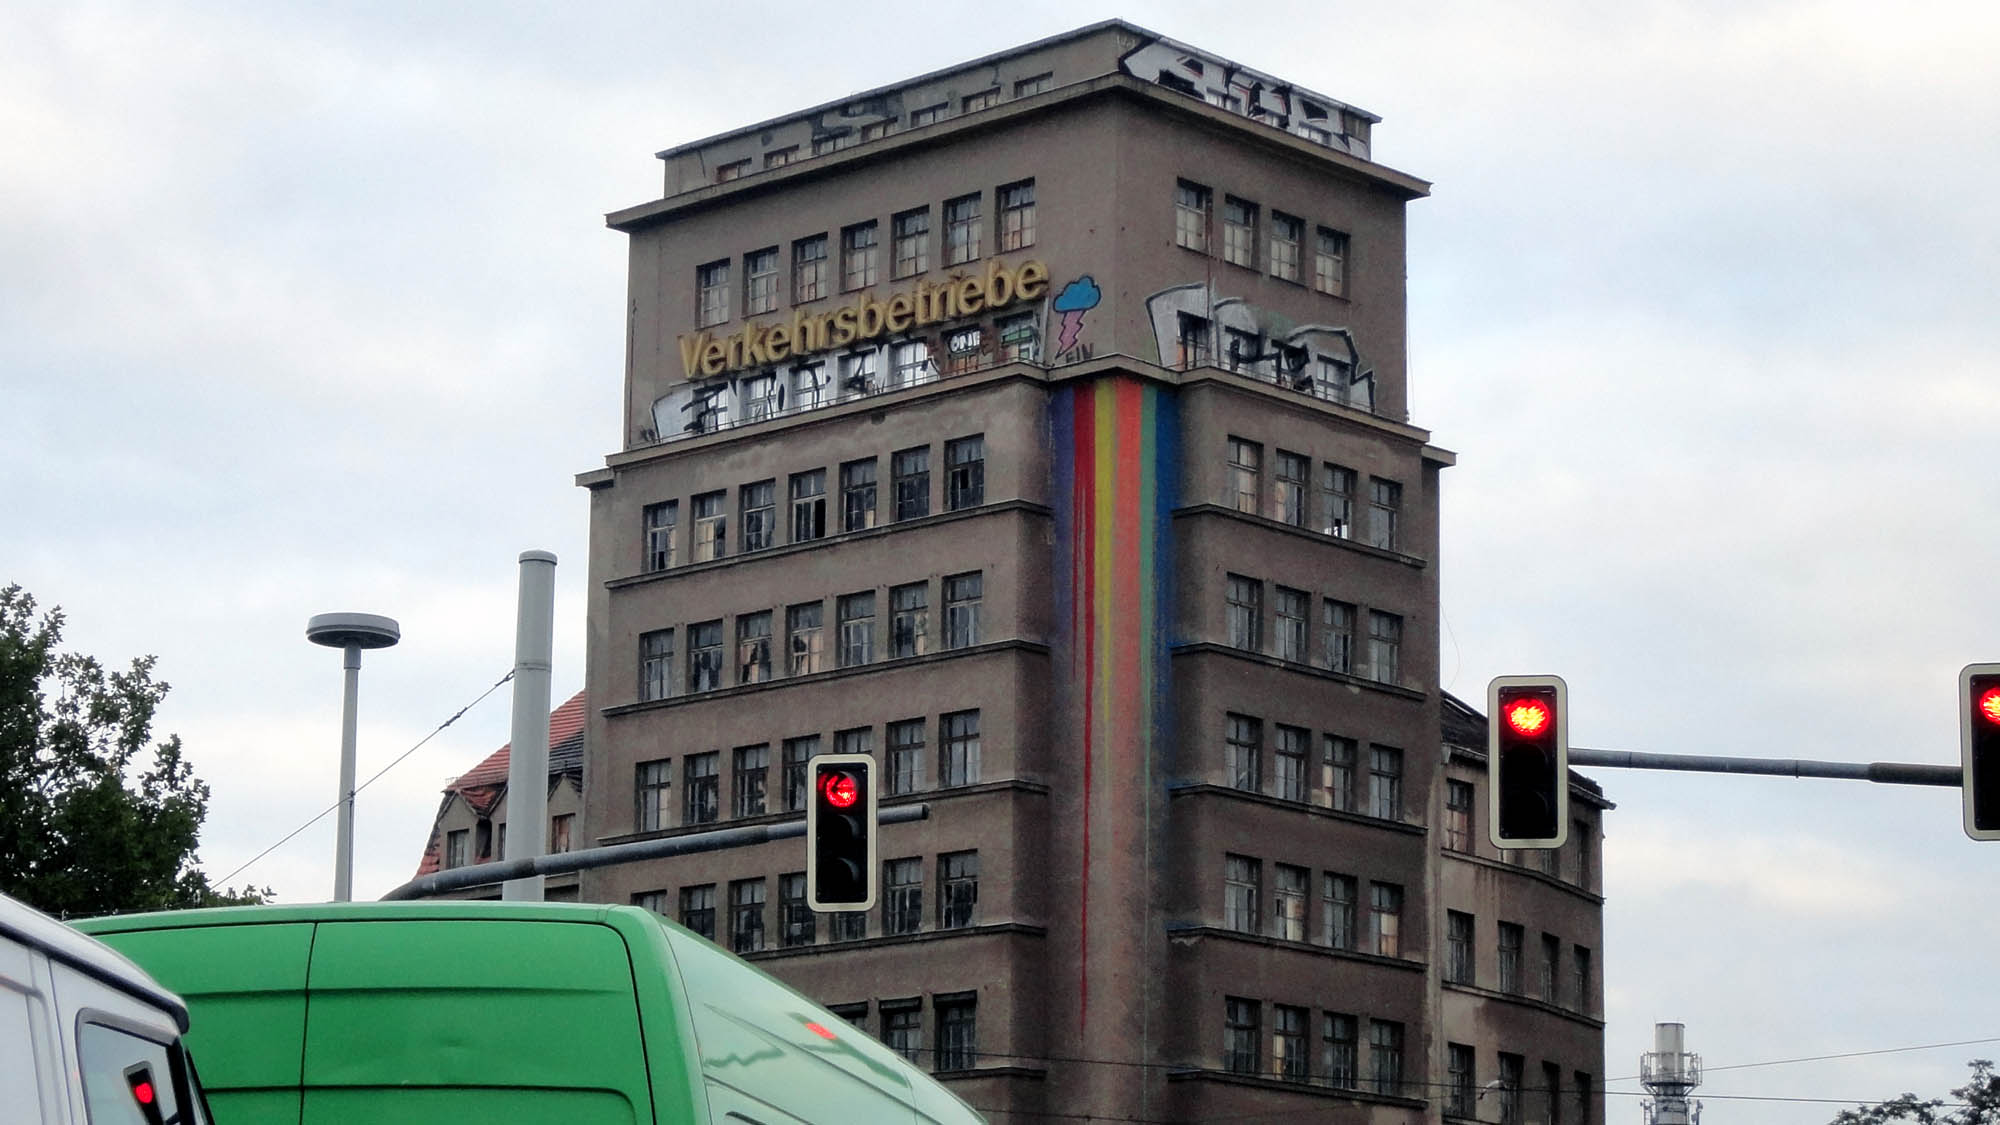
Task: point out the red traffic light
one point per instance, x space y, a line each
1987 705
1528 717
841 790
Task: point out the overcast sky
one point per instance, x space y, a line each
311 308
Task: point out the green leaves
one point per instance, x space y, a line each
1975 1103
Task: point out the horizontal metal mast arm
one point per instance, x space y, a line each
1887 773
562 863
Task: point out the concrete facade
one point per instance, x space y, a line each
1171 695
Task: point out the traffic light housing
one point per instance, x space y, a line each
1527 761
1979 748
840 833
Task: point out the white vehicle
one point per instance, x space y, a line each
86 1037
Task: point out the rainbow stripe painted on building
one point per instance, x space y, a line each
1115 464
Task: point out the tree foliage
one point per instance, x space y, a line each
1975 1103
95 817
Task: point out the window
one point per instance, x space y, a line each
1242 752
760 515
859 374
454 847
1020 339
858 268
809 269
1288 752
906 756
656 664
746 915
1239 231
751 783
961 229
1509 1090
1551 968
483 839
1458 961
902 896
661 521
1193 341
956 1019
1333 379
909 362
1552 1081
857 495
1385 644
1337 911
1191 210
1288 488
902 1027
753 647
1580 835
1245 350
1239 1035
909 619
795 919
1510 957
1459 1080
1240 877
962 598
1583 1101
1339 1051
1337 771
1245 458
1385 501
1458 816
711 286
847 925
802 630
910 235
1385 1056
929 115
1330 263
654 783
1287 233
1385 782
1337 636
779 157
559 832
1292 607
857 628
1017 215
958 754
962 349
1386 900
734 170
965 472
711 526
808 495
910 478
655 901
809 390
1580 962
876 130
760 281
1244 606
1336 492
760 397
828 143
1040 83
111 1064
1288 903
1288 1043
856 740
984 99
704 788
698 909
958 890
705 656
797 752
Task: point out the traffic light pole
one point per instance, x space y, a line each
561 863
1886 773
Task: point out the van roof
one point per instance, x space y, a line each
348 912
93 958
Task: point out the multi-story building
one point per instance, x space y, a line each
471 823
1038 426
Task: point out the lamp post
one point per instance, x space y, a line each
349 632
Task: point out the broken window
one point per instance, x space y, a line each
809 268
1336 498
1240 894
909 619
857 628
1337 911
963 595
802 626
1239 231
1330 262
1288 902
958 889
655 783
857 256
1385 646
797 752
753 647
857 495
1288 753
711 526
911 231
958 755
808 505
704 788
961 229
965 469
656 664
906 756
760 281
1017 215
662 520
711 285
705 656
751 784
1243 752
1243 603
760 515
1288 488
1385 506
1287 233
903 896
910 476
1245 459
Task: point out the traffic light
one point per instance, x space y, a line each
840 833
1979 748
1527 761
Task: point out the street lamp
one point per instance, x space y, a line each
349 632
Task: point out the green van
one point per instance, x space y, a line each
534 1013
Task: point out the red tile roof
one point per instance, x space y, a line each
484 786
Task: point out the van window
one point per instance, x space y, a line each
123 1074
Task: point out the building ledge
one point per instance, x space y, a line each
1536 1003
1036 1073
735 690
1318 1087
1527 872
886 941
1189 648
1296 531
977 789
1177 789
1183 930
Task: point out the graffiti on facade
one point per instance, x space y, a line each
1257 96
1195 327
1075 299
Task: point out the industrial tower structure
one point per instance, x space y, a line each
1669 1072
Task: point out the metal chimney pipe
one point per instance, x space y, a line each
528 761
